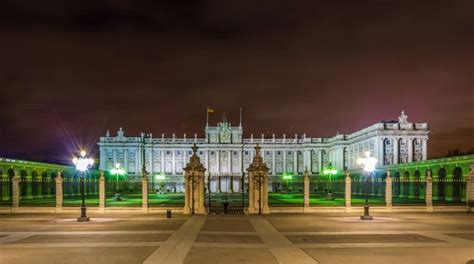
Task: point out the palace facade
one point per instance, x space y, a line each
224 151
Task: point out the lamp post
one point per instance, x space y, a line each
82 165
330 171
367 163
117 171
160 178
287 177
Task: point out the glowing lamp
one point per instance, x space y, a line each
82 163
367 163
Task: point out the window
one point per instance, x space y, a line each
168 152
246 153
268 153
235 153
279 153
191 153
178 152
212 153
289 153
200 153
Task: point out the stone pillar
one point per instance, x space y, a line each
424 149
470 189
429 192
258 185
306 191
388 192
15 192
194 185
59 191
145 193
410 149
101 192
348 194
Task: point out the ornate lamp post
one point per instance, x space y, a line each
117 171
367 163
83 164
330 171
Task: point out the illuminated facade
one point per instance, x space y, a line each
224 151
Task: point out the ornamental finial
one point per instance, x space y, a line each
194 148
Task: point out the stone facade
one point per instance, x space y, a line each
224 151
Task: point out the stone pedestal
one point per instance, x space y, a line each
101 192
194 185
348 194
306 192
15 192
388 192
258 185
429 192
145 193
59 192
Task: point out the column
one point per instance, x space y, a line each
306 206
348 195
388 192
125 161
101 192
320 160
145 193
218 162
295 162
29 186
206 158
15 191
173 162
410 149
429 192
284 160
425 148
137 161
38 181
307 159
59 191
229 165
102 159
162 154
273 163
150 162
114 152
395 150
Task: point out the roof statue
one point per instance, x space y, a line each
403 118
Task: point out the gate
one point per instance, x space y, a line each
225 195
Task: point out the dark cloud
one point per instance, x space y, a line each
72 69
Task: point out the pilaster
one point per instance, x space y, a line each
348 194
59 192
145 193
306 191
101 192
429 192
388 192
15 192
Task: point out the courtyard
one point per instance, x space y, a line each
276 238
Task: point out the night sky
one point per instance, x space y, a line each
70 70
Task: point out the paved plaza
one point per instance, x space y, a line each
276 238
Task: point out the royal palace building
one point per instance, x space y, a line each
224 150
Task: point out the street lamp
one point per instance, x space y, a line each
83 164
287 177
330 171
367 163
117 171
160 178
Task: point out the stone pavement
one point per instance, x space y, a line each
277 238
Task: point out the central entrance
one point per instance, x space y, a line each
226 193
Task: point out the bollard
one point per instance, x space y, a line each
168 213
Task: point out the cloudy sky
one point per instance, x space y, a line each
70 70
